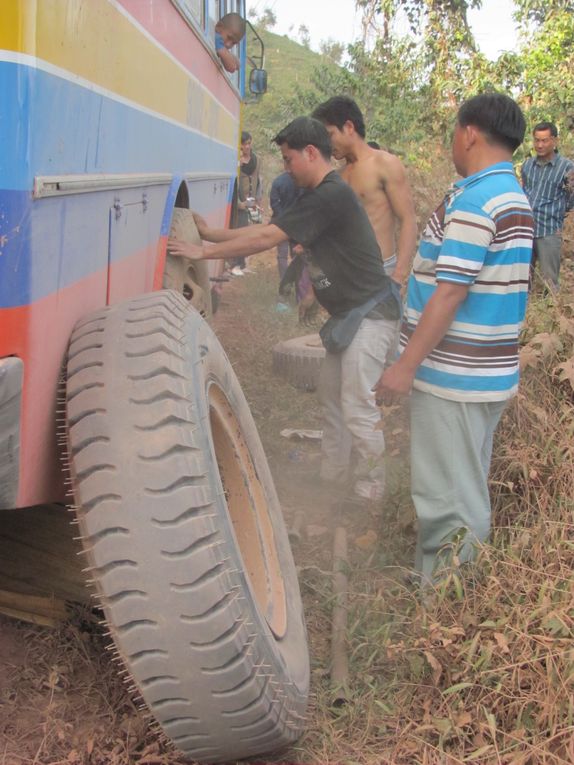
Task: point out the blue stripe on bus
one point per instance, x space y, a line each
69 117
70 235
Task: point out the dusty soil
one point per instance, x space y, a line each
61 700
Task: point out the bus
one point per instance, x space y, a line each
118 122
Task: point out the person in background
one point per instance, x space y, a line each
283 193
379 180
293 273
349 281
229 31
466 302
548 181
249 193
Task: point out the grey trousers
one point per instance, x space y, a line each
451 447
350 415
547 251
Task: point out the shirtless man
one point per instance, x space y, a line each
379 180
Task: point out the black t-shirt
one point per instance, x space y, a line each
346 267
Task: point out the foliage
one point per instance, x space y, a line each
481 670
266 19
538 10
546 72
292 72
332 49
411 86
304 36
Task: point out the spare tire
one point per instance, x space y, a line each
299 360
188 277
183 530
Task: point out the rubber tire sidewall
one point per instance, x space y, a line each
263 686
299 363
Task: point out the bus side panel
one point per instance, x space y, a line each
96 89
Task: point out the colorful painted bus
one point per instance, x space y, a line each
117 121
114 113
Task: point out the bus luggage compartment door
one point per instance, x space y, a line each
133 247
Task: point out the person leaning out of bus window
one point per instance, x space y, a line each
229 31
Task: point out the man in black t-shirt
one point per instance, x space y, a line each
346 271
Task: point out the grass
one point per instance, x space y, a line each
483 671
290 66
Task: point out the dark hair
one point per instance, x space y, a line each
546 126
373 144
337 110
305 131
245 136
497 116
235 24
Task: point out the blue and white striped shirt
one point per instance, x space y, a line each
480 236
549 187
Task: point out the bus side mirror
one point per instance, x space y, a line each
258 81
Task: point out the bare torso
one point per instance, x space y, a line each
366 176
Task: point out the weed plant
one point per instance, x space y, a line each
482 671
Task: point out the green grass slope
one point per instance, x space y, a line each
289 66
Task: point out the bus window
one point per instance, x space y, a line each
212 18
216 10
231 6
192 10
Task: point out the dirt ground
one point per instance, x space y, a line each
61 696
61 699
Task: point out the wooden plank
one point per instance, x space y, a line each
33 608
40 557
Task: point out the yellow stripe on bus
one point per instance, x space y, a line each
95 41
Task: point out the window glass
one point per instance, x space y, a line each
230 6
191 9
212 18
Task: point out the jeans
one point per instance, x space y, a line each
283 252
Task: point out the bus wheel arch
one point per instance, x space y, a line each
188 278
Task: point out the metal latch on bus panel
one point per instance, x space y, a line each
118 206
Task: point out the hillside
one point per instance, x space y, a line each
289 66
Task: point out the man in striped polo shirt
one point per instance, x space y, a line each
466 301
548 180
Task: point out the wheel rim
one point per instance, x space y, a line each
247 507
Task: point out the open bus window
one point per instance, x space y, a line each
216 9
194 12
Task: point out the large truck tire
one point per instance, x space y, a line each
183 531
190 278
299 360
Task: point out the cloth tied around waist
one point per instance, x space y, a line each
339 330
